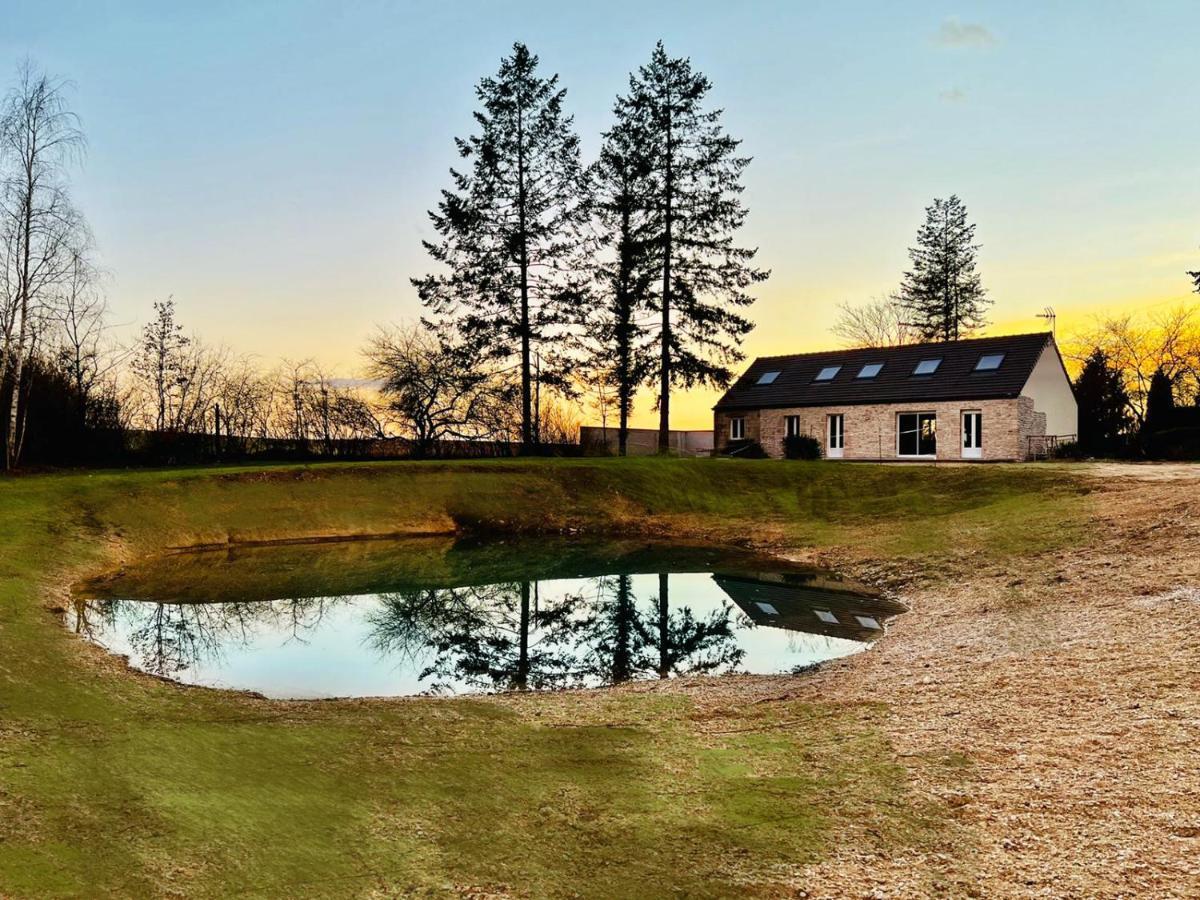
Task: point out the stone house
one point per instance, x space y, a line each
995 398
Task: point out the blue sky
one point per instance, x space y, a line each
270 164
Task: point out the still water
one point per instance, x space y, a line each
434 616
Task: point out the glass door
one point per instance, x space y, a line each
972 435
916 435
837 437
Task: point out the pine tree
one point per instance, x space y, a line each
1160 403
512 229
1104 420
941 292
625 271
695 195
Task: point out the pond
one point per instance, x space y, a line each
439 616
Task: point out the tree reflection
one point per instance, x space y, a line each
504 637
691 645
169 638
499 636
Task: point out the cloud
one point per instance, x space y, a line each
954 33
952 95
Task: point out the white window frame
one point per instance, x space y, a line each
737 428
918 413
791 426
976 451
834 449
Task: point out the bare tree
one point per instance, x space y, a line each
880 322
435 390
39 228
159 363
601 386
1138 346
81 324
243 403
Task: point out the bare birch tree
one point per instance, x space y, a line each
39 228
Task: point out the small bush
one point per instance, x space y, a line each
745 449
1068 450
801 446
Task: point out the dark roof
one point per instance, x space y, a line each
955 379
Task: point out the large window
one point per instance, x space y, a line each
737 428
917 434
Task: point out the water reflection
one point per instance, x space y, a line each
611 615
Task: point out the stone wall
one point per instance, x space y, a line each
871 430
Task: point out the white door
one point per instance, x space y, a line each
972 435
836 441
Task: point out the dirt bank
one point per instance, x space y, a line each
1051 706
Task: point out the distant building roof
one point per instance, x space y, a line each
890 374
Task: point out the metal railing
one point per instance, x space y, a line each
1045 446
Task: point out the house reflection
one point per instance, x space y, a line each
809 602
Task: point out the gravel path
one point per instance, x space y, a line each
1068 685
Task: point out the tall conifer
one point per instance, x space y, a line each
511 230
694 193
942 293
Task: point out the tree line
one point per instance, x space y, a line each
554 278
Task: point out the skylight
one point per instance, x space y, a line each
768 608
989 362
826 616
870 370
828 373
927 366
767 378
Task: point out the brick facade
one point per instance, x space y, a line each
871 430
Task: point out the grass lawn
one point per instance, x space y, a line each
117 783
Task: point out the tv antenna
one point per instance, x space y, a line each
1047 313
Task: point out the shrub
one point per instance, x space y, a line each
1068 450
744 449
1174 444
801 446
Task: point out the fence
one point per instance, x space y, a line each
154 448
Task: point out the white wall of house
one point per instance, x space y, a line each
1051 393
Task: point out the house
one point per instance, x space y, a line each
995 398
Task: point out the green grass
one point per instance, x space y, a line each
118 784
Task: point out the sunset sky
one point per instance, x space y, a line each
270 164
